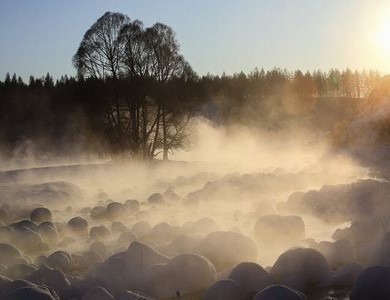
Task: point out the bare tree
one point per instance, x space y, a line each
137 60
139 63
166 64
137 57
100 52
100 55
152 58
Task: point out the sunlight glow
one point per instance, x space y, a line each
383 35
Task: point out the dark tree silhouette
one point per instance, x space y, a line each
167 64
135 95
7 80
138 64
100 55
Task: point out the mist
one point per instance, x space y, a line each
235 185
235 196
140 179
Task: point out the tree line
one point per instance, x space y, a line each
135 94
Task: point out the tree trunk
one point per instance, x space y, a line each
118 114
135 127
144 130
153 149
165 145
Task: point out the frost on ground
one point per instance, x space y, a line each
279 221
186 230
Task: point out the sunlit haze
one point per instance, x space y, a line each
194 150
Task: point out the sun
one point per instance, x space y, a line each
383 35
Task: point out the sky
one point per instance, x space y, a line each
40 36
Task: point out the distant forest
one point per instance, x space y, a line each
135 95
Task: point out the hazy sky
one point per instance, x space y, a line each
39 36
